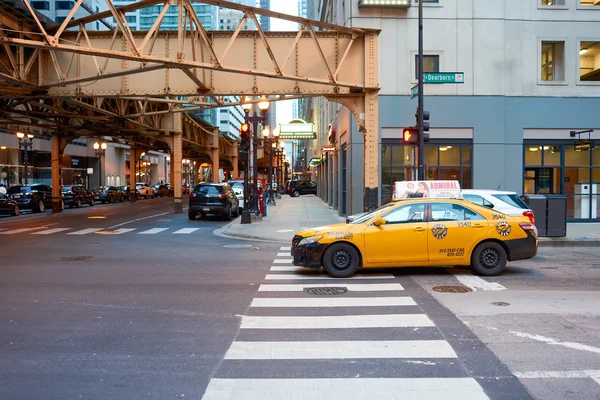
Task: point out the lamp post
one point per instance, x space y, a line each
100 151
140 166
271 139
25 143
263 106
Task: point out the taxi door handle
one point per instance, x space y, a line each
477 225
419 229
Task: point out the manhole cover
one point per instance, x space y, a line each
501 304
80 258
327 291
452 289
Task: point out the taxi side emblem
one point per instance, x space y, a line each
503 228
439 231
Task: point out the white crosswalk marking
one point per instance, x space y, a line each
286 261
85 231
284 254
123 230
346 388
292 269
185 231
285 248
152 231
332 302
22 230
340 350
338 322
323 276
366 287
51 231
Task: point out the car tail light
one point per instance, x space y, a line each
529 227
529 214
223 196
192 195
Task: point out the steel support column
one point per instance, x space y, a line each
215 155
371 124
177 156
58 147
134 160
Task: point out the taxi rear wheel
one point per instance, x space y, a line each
489 259
341 260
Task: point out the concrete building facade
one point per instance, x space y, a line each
531 75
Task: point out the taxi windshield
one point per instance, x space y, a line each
369 215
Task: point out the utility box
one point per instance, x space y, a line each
538 205
556 225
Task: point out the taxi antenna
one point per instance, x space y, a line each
500 184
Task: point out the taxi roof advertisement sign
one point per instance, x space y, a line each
431 189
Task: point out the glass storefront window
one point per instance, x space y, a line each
449 174
386 155
551 155
465 182
449 155
576 158
596 157
533 155
466 155
403 155
431 155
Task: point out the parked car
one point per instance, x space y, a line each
170 189
238 189
161 190
8 206
76 195
213 198
108 194
35 197
146 191
304 187
502 201
185 189
126 191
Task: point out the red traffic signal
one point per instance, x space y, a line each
410 135
244 132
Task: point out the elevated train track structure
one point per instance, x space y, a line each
65 81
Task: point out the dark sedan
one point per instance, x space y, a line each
35 197
76 195
160 190
108 194
126 192
213 198
8 206
304 187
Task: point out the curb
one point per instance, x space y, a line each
222 232
568 243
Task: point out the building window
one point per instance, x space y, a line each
64 5
40 5
589 3
553 61
553 2
589 61
431 63
60 20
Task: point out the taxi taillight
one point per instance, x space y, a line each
529 214
527 226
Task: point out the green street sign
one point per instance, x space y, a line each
443 77
414 91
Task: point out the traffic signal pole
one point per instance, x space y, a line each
421 148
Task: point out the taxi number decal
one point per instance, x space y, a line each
498 216
341 235
464 224
455 252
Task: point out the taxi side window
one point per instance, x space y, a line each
406 214
453 212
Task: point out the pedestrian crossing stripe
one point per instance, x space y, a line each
98 231
338 322
284 248
366 287
152 231
85 231
323 276
277 268
185 231
283 261
345 388
22 230
332 302
335 350
283 254
51 231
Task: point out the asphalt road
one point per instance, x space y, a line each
132 301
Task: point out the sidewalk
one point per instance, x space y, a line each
292 214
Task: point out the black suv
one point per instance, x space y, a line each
76 195
303 187
213 198
35 197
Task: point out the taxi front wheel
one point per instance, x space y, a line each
341 260
489 259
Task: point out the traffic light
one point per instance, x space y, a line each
245 137
425 124
410 135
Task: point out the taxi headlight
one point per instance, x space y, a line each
309 240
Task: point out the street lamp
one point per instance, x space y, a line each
100 150
25 143
263 106
271 139
140 165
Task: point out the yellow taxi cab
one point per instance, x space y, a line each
419 231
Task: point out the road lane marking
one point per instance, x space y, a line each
332 350
51 231
278 268
593 374
85 231
185 231
286 261
284 254
367 287
338 322
476 283
153 231
139 219
323 276
285 248
570 345
333 302
345 388
14 231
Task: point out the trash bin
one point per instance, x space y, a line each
556 225
538 205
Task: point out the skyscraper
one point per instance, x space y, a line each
265 23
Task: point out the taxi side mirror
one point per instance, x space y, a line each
379 222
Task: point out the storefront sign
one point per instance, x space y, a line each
297 131
430 189
328 148
583 145
90 171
